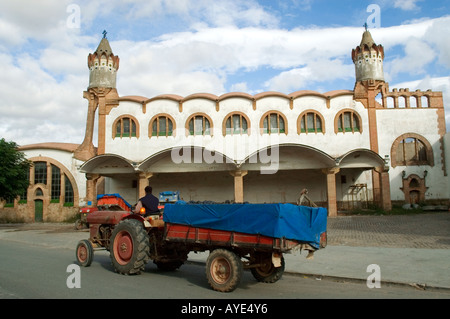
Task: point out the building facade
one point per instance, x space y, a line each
348 148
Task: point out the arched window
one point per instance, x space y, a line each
161 125
424 101
411 149
413 101
126 126
40 173
68 193
56 183
348 121
310 122
273 122
236 124
199 124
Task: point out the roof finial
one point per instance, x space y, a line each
104 34
366 26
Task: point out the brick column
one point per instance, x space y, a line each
239 185
331 190
91 188
143 183
101 125
385 189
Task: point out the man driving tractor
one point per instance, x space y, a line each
149 202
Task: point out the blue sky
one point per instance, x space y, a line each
191 46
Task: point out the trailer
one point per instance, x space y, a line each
237 236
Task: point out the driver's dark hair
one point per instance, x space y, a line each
148 189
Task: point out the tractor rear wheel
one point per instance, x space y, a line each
129 247
223 270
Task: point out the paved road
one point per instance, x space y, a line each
411 250
37 271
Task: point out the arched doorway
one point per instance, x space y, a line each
38 210
414 189
414 197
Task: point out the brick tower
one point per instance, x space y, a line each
368 58
101 94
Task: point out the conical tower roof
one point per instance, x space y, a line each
104 47
367 39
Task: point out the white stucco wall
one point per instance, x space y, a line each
138 149
392 123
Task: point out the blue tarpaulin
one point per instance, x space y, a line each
274 220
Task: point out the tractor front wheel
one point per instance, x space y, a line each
129 247
84 253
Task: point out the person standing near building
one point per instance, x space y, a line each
150 202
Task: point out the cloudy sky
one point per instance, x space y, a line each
191 46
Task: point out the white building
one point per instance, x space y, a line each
369 145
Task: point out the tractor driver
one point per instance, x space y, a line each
149 202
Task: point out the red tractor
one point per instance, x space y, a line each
133 240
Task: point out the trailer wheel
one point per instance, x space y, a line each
129 247
84 253
223 270
267 272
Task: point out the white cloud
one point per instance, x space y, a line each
407 5
219 13
240 87
33 100
417 55
436 35
32 19
42 88
301 78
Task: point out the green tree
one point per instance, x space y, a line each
14 168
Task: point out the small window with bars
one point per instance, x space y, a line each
161 125
311 122
273 123
348 121
125 127
236 124
199 125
